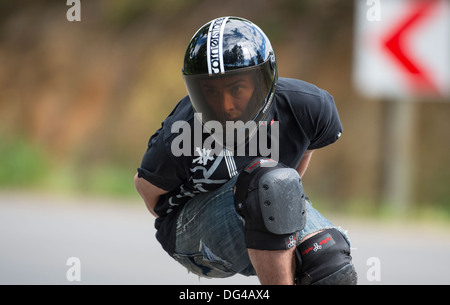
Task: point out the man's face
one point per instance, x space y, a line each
229 97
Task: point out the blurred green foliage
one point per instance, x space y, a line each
21 163
25 165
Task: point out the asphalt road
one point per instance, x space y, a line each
46 239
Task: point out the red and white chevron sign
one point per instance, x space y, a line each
402 48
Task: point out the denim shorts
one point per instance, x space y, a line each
210 239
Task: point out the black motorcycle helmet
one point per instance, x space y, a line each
223 50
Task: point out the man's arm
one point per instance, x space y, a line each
148 192
303 165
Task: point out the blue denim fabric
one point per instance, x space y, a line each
210 239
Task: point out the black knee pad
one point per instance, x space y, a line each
270 198
324 259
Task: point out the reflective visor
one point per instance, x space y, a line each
233 96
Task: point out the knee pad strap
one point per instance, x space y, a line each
324 259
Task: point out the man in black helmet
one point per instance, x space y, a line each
224 202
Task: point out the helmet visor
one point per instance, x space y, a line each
234 96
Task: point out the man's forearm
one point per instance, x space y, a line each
149 193
304 162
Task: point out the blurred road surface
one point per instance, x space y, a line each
114 242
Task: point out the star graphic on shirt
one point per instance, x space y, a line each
204 156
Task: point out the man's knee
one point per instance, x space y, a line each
272 202
324 259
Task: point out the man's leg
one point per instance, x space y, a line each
210 235
272 202
210 242
275 267
323 255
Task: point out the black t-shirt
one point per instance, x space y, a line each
307 118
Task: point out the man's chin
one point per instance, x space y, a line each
233 118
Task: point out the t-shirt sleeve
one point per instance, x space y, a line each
327 125
159 166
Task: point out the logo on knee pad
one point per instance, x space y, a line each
325 243
317 247
292 241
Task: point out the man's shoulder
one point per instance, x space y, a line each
300 94
183 111
297 86
183 114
